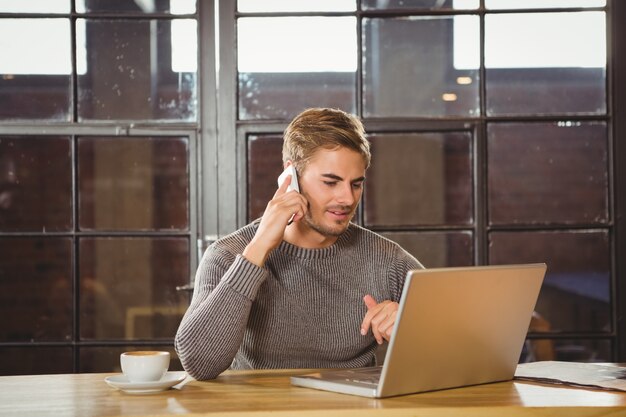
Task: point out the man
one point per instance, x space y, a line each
320 292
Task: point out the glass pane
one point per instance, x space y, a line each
35 69
532 68
421 66
35 184
567 350
285 65
128 287
264 166
137 7
420 179
420 4
35 360
437 249
265 6
545 173
133 183
583 350
576 292
541 4
36 289
107 359
34 6
125 78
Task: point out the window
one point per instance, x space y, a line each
98 200
285 65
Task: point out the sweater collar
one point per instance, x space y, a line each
318 253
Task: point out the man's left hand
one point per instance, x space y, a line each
380 317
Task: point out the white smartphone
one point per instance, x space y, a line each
290 170
293 185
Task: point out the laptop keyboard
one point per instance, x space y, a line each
369 376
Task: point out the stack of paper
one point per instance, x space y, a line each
595 375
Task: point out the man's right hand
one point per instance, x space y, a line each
274 222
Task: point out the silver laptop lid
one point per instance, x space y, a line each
460 326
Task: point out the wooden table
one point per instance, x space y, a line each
269 393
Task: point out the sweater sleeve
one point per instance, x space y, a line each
404 262
213 327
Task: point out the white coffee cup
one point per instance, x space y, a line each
145 365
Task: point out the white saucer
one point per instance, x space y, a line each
122 383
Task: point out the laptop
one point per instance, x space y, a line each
455 327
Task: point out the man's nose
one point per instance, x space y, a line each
346 195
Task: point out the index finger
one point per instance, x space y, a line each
283 187
367 320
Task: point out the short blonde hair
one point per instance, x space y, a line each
324 128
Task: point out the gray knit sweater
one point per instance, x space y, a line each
303 309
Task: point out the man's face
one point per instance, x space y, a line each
332 183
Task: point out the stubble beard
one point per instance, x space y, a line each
326 230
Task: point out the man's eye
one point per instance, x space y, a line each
330 183
357 185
